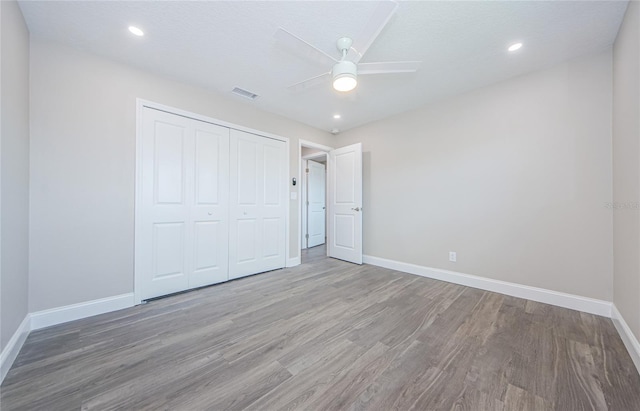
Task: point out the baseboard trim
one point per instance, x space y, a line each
54 316
628 338
11 351
292 262
571 301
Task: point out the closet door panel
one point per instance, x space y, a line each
245 199
246 165
164 207
274 207
182 235
271 238
209 149
168 162
210 205
273 175
258 194
246 241
168 251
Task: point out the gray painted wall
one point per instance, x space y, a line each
514 177
83 117
626 168
14 185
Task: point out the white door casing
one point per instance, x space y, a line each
316 197
183 228
258 195
344 171
304 229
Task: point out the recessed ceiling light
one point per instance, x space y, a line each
136 31
336 116
515 46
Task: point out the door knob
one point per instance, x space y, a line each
356 209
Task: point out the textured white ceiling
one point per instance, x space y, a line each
220 45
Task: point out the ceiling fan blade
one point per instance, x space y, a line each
311 82
376 23
304 49
389 67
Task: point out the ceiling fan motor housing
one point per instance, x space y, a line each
344 68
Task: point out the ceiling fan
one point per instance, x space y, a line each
344 72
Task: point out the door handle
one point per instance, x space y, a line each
356 209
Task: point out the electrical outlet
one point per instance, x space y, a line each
452 256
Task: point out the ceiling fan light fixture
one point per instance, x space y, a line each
345 76
345 82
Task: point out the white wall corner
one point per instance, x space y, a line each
630 341
46 318
11 351
571 301
292 262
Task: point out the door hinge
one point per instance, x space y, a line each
306 170
306 236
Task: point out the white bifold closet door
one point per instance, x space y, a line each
211 204
258 204
183 240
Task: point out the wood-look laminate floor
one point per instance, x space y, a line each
328 335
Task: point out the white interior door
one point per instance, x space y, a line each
344 169
258 189
181 240
316 207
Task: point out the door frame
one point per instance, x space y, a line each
325 149
304 189
140 105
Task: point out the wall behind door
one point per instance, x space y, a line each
83 130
